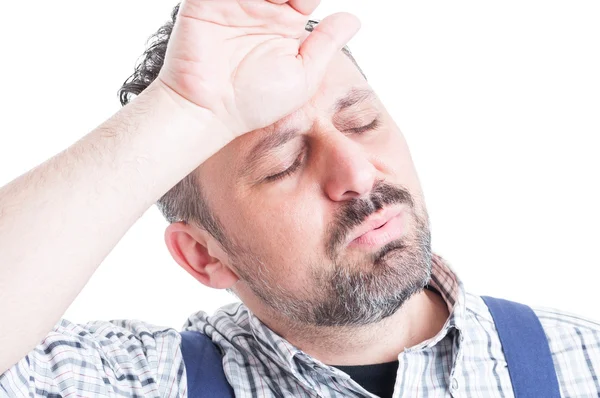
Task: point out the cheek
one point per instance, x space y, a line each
285 230
392 157
398 153
390 147
282 227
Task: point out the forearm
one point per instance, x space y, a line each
62 218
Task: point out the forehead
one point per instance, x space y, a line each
341 77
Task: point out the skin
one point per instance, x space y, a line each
202 117
341 160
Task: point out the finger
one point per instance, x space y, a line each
278 1
326 40
305 7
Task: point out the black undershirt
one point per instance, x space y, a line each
378 379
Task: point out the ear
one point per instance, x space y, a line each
189 246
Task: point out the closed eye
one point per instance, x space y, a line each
371 126
290 170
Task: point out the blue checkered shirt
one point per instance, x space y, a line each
129 358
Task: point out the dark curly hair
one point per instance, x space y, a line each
183 202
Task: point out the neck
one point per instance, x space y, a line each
419 319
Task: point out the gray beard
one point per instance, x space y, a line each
347 295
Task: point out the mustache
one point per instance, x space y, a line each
356 211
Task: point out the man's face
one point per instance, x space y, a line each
302 202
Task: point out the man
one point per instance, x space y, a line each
286 181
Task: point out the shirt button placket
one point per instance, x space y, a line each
454 385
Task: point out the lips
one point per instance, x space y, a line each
379 229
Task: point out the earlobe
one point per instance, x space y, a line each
220 276
188 246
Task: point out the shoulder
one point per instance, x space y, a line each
574 343
229 321
571 336
121 357
552 320
123 331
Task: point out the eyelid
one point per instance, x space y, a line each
297 163
371 126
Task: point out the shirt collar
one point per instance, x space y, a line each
445 280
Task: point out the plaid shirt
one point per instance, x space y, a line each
134 359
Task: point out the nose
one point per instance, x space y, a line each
348 172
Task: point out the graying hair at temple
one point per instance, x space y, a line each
184 202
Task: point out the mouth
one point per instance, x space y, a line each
379 229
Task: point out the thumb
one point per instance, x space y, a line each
327 39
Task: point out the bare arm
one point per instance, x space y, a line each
61 219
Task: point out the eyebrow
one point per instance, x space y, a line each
353 97
276 139
269 142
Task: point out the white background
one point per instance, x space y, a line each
500 103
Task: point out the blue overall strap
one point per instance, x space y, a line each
525 348
204 367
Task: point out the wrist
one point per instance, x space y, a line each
161 138
194 121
